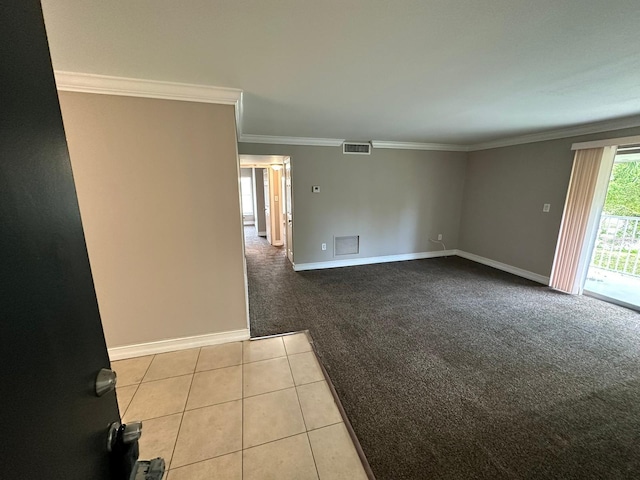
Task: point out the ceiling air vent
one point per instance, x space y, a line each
352 148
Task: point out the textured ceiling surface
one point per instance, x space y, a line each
448 71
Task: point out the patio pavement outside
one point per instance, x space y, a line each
624 288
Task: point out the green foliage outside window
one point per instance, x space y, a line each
623 196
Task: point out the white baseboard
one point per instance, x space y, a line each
504 267
262 234
350 262
173 344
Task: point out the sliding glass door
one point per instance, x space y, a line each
614 270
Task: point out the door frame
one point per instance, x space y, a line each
288 201
263 161
597 204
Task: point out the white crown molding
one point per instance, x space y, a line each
337 142
173 344
610 142
136 87
439 147
597 127
309 141
587 129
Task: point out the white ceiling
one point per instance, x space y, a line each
446 71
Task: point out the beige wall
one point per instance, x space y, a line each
505 191
394 199
157 182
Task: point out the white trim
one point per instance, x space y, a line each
162 346
262 234
627 157
598 127
610 142
260 161
440 147
242 238
313 142
504 267
137 87
350 262
617 124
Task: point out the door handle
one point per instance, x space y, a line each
105 381
125 434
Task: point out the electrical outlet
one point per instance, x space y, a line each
324 246
546 207
439 236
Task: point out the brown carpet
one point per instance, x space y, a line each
449 369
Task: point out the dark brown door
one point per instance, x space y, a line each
51 340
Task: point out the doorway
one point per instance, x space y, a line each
614 269
267 204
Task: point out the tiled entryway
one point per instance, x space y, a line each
246 410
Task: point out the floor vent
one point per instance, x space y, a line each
347 245
350 148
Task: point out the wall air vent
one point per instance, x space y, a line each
351 148
347 245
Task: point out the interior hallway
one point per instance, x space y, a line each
451 369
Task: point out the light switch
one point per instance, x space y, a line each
546 207
315 189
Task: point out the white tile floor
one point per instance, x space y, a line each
247 410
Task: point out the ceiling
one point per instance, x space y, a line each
445 71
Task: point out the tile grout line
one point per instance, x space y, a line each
231 401
295 387
193 374
137 388
137 385
255 446
206 459
277 390
168 378
274 441
302 414
264 359
325 426
215 368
